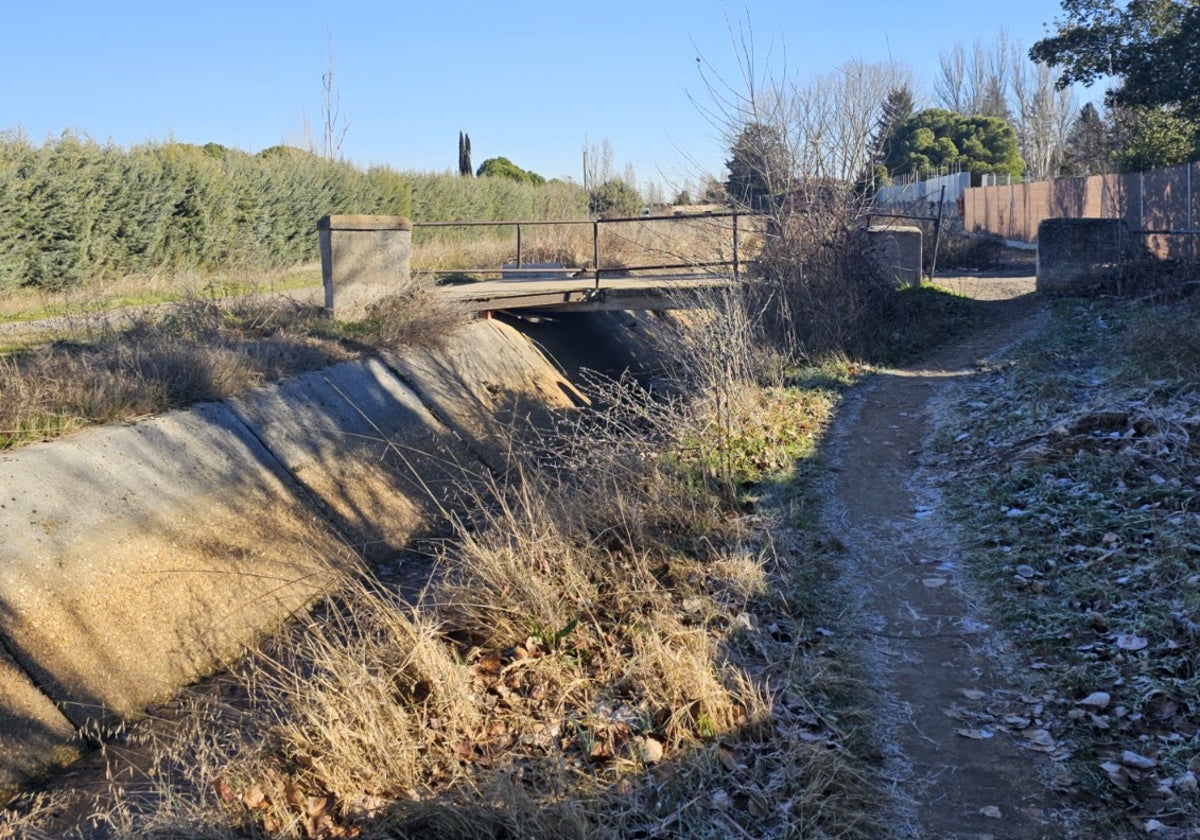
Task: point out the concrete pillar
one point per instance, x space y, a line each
1075 255
363 258
896 251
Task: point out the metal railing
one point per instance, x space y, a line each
936 220
597 270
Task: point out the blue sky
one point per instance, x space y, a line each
527 80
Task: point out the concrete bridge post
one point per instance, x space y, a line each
363 258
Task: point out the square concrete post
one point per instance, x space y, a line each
1078 255
896 251
363 258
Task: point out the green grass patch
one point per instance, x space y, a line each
919 319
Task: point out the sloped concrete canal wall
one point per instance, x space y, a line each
137 558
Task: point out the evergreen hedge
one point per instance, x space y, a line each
73 209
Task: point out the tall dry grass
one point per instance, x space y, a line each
611 647
118 367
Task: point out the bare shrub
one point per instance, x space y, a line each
800 151
414 317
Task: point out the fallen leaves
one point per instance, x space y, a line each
1131 642
1080 478
974 734
1097 700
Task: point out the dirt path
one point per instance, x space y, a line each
964 756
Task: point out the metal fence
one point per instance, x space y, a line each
948 187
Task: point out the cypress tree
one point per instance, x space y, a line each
464 155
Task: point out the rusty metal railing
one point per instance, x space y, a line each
597 269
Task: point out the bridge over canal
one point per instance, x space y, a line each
671 264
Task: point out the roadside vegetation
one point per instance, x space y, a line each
1074 464
629 638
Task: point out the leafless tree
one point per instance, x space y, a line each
597 163
1043 115
999 80
335 126
803 146
975 82
629 175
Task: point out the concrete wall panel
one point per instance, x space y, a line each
489 380
137 558
33 733
361 442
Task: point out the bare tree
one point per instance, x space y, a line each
1044 115
629 175
334 124
804 144
975 82
998 80
950 88
597 163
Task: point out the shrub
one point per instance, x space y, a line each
78 210
614 198
502 167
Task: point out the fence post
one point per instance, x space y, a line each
1189 197
937 233
596 249
736 267
1141 199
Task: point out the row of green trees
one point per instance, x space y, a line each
72 209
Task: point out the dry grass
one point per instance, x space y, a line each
192 351
612 650
75 303
122 368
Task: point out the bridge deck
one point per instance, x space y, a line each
580 294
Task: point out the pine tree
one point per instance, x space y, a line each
760 167
896 109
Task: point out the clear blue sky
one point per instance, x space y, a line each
527 80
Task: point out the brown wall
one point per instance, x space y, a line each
1156 200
